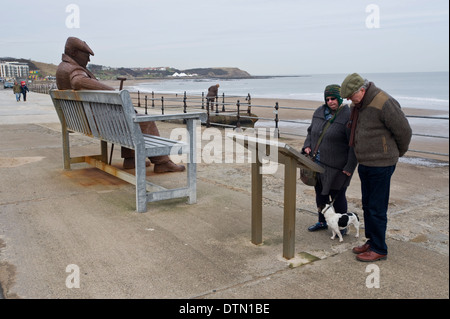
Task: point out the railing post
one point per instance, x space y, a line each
203 100
146 104
277 131
153 99
139 99
162 105
238 106
184 102
217 104
223 102
208 122
249 102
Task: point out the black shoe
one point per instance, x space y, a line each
318 226
344 231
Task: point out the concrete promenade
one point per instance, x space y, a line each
59 226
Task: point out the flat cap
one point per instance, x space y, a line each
73 43
351 84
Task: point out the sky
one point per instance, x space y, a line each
262 37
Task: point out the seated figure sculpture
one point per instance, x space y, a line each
72 74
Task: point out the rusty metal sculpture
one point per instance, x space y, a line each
72 74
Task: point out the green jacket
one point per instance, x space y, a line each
382 132
17 88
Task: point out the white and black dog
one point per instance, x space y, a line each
339 221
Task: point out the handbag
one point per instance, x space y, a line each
308 176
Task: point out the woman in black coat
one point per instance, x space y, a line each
24 91
333 153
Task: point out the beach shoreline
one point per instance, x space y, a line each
282 102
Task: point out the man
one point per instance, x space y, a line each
380 134
213 91
72 74
17 89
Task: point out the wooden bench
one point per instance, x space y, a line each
109 116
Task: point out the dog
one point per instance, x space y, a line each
340 221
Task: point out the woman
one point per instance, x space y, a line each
24 91
333 153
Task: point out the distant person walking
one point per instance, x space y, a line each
17 90
213 92
380 134
24 89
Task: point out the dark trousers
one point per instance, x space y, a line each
151 129
375 188
340 203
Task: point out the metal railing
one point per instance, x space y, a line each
228 111
43 88
241 112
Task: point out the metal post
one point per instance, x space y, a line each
146 104
208 122
139 99
238 105
184 102
217 104
290 190
249 102
153 99
203 100
162 105
277 131
223 102
256 202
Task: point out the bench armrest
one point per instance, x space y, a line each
179 116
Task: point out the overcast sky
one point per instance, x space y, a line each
262 37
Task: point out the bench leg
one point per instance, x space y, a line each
66 148
141 175
104 151
192 165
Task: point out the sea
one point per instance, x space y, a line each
428 91
422 90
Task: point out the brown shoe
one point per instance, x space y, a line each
370 255
361 249
168 167
128 163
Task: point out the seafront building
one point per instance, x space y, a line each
14 70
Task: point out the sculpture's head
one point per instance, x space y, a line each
78 50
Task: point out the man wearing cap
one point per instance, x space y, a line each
380 134
72 74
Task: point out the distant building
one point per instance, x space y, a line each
14 70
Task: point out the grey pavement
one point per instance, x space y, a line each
62 228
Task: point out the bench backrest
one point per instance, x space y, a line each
106 115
